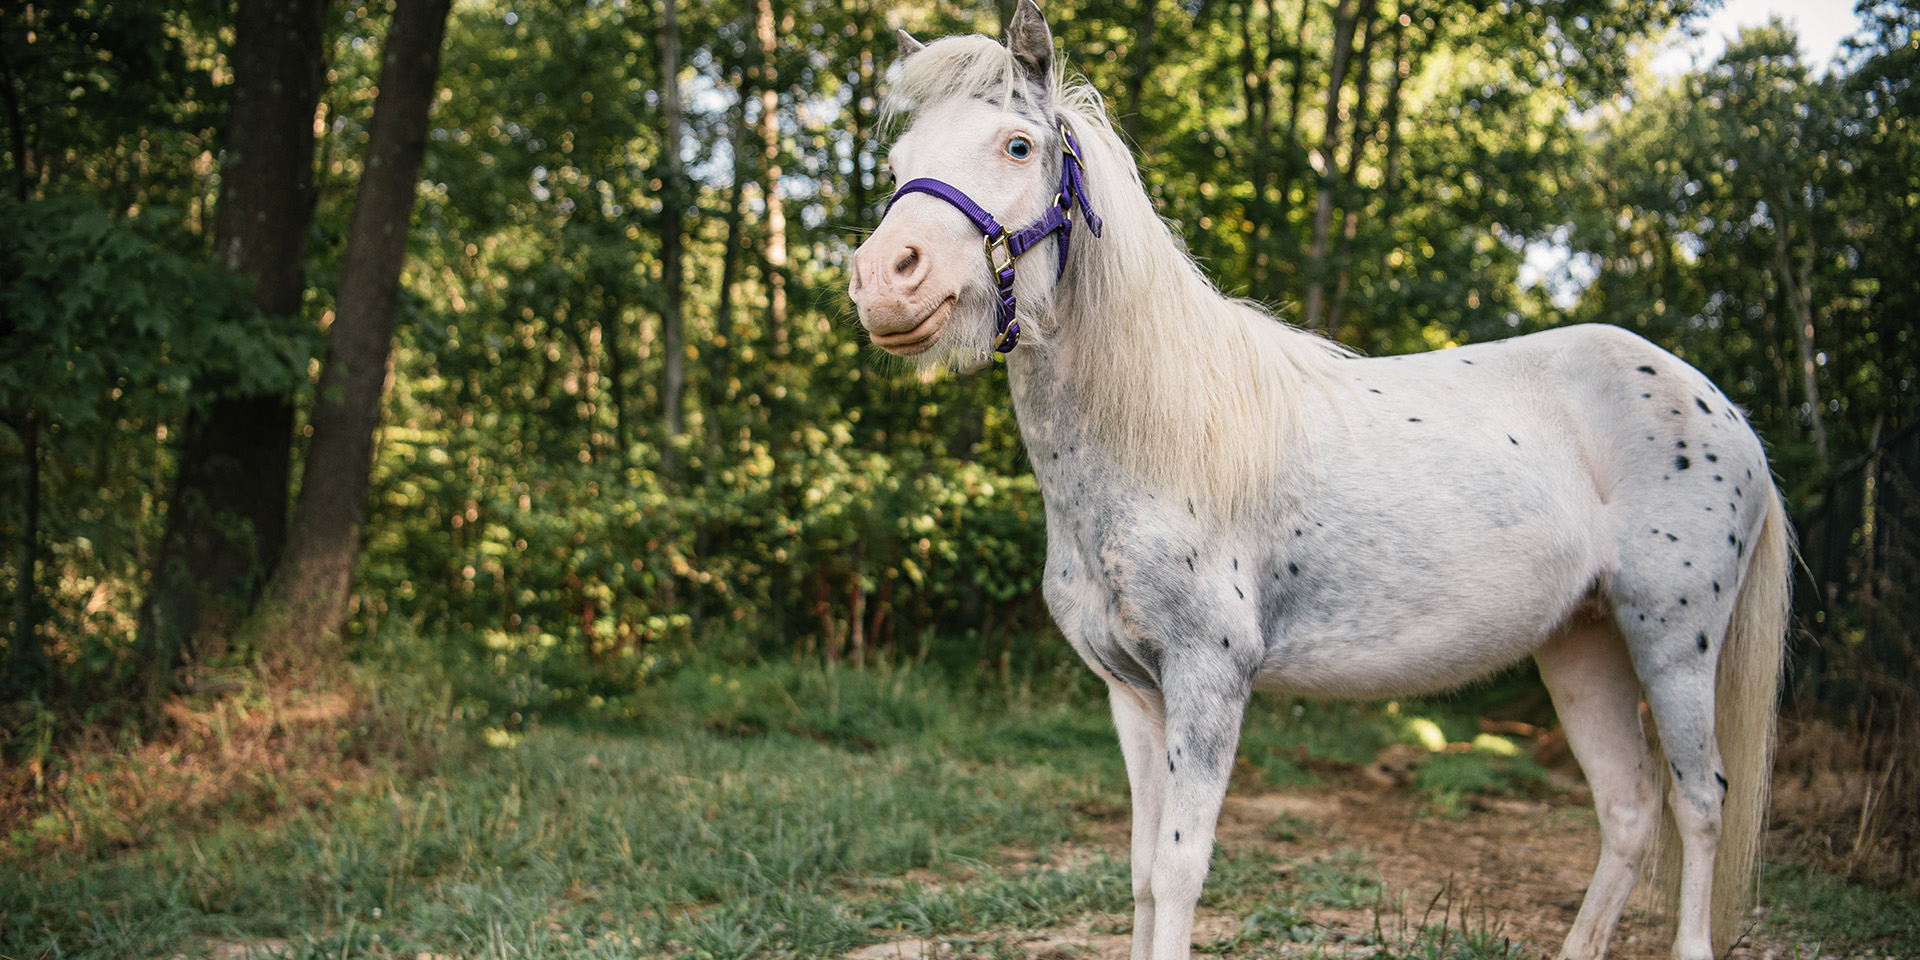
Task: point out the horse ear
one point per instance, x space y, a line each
908 45
1031 43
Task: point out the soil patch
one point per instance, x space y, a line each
1513 868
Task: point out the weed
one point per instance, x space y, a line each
1289 827
1447 779
1341 879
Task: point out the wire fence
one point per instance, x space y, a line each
1855 660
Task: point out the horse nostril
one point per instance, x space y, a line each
905 264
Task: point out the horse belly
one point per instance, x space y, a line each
1383 659
1440 606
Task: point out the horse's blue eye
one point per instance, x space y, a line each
1019 147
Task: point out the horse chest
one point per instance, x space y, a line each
1134 585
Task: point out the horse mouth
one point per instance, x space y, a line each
920 339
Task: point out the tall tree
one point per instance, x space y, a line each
1346 20
312 584
775 256
1137 71
673 199
226 518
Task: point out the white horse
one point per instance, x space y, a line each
1235 504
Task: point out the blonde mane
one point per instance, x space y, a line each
1197 393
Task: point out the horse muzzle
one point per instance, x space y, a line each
903 331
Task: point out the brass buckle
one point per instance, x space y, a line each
1066 145
1007 262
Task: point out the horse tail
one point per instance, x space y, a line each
1746 706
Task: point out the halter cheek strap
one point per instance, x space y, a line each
1010 246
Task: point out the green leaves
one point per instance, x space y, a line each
111 319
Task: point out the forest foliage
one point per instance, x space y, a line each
628 416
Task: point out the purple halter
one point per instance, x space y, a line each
1059 217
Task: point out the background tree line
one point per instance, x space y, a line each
597 403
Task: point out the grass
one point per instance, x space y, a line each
745 814
724 813
1829 915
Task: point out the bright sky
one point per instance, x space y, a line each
1821 24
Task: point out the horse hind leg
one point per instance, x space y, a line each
1596 693
1680 692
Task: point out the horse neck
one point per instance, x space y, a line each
1182 390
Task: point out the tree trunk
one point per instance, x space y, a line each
863 89
313 582
775 266
226 515
1258 95
1350 204
673 336
721 350
1390 183
1345 20
1799 295
25 178
24 644
1137 71
613 341
1296 91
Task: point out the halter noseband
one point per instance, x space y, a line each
1059 217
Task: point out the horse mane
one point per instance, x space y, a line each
1195 392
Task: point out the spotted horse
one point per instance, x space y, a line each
1235 504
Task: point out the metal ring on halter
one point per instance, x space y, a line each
988 243
1066 144
1001 346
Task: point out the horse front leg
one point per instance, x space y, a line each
1202 734
1140 719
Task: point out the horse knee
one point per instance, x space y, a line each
1176 880
1629 827
1696 813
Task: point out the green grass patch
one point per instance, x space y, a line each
743 814
1826 914
728 812
1447 779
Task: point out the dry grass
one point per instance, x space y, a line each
245 756
1848 801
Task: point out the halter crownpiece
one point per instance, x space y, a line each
1058 218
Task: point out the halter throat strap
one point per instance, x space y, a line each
1010 246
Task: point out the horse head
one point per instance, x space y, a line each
985 152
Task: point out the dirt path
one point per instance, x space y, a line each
1511 869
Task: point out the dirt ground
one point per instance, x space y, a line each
1517 868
